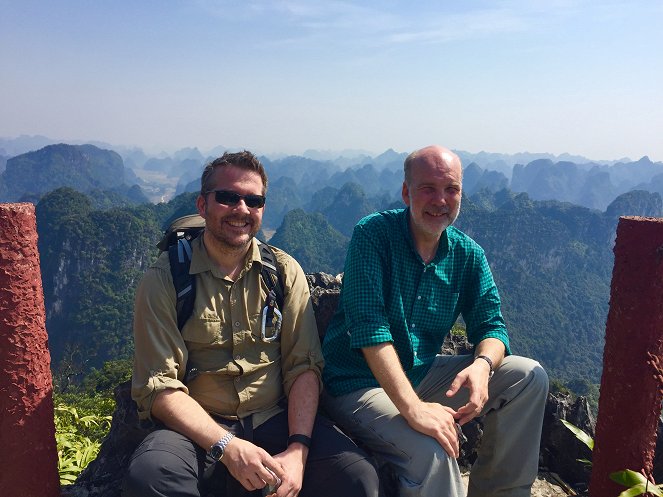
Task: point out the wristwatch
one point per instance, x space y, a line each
490 364
217 450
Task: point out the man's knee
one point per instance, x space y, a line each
528 371
345 474
160 468
431 471
538 379
360 480
433 461
421 459
154 473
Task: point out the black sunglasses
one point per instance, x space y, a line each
230 198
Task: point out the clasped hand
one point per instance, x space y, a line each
254 468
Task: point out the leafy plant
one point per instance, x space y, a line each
582 436
637 482
77 439
458 330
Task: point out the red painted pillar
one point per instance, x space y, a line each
631 384
28 454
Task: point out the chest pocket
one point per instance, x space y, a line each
439 308
203 330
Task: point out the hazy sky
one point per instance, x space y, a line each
584 77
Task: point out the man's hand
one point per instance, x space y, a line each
292 461
437 421
248 464
475 378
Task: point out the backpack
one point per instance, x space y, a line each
177 240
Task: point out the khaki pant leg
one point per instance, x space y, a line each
508 457
423 467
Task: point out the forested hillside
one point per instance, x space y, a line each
86 168
552 260
91 261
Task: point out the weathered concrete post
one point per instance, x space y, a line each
632 380
28 454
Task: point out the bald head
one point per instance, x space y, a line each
433 154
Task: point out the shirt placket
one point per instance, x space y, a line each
418 308
239 330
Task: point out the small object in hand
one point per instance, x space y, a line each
269 488
461 436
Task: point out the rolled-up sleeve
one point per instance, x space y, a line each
363 293
160 354
483 315
300 345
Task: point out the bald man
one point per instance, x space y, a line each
409 274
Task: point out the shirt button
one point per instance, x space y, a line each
236 324
414 325
237 358
418 297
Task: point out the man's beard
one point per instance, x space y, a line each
225 239
451 216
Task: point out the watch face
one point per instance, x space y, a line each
216 452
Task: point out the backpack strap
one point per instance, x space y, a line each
271 276
179 255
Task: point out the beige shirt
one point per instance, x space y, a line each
238 374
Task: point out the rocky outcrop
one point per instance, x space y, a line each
559 448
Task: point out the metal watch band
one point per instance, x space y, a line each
490 363
219 448
302 439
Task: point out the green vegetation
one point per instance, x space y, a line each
83 167
582 436
83 416
80 425
311 240
637 483
348 206
102 382
552 264
458 329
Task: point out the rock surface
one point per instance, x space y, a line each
546 485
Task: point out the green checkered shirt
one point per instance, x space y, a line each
390 295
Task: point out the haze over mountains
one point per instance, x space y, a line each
546 223
593 184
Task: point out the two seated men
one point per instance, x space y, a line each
246 421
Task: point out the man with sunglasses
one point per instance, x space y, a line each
235 406
408 275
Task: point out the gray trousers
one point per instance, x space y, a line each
508 456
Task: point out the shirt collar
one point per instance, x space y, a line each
201 261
